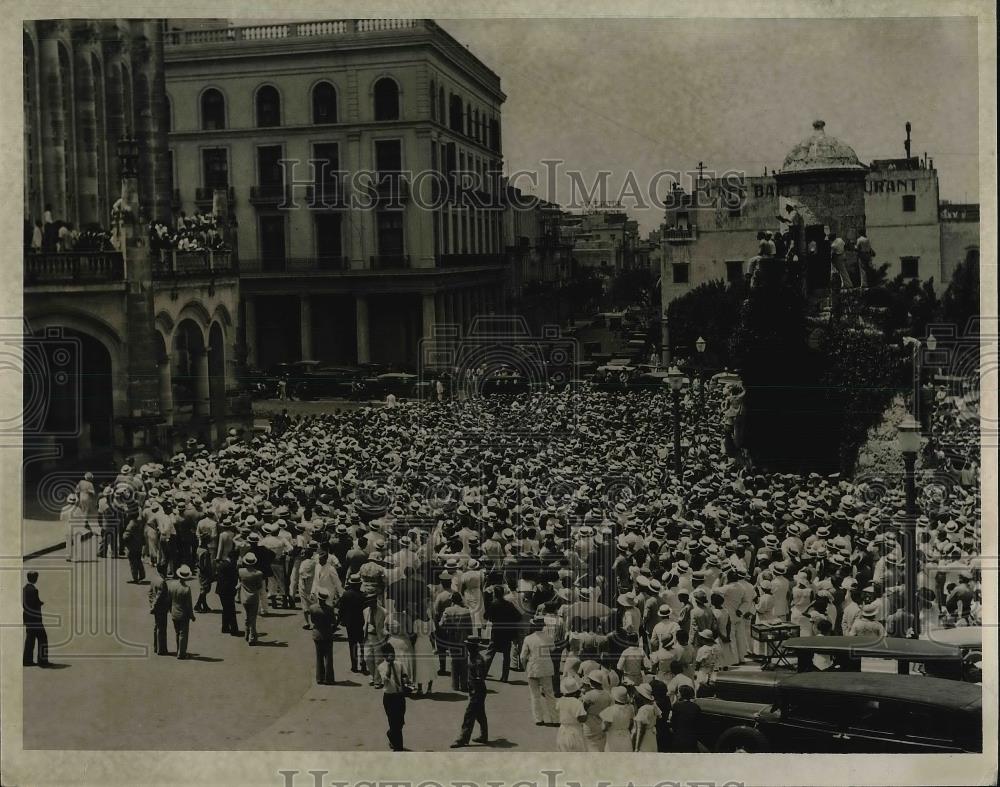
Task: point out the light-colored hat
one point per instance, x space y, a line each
870 611
250 559
184 573
645 690
569 685
620 695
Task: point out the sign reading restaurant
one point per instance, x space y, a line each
889 185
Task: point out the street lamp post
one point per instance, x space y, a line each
676 380
700 345
909 445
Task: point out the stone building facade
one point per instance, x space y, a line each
134 350
331 280
711 233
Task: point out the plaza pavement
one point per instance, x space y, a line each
110 692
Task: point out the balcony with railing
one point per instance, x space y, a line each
175 264
204 196
72 267
469 260
325 196
268 195
685 234
391 188
389 262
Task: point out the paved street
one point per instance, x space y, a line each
228 696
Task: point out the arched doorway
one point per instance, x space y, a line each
68 392
189 372
217 372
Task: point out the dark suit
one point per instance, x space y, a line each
454 627
351 606
159 608
225 589
324 622
684 718
34 629
475 711
181 612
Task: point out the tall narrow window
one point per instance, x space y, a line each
455 113
433 98
324 103
386 100
216 168
268 107
213 110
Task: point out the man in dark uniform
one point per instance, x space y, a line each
34 629
351 606
475 711
133 538
159 608
685 716
228 580
324 623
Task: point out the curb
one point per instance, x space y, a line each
44 551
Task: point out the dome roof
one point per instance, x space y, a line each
820 152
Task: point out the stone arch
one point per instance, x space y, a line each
195 311
217 370
221 315
165 324
94 393
189 368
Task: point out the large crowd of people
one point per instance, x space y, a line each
547 529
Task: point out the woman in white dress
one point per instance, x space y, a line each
424 657
644 726
617 721
572 714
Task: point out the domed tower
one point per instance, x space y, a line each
822 181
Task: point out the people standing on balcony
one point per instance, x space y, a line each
36 237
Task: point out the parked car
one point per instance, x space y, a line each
871 713
934 658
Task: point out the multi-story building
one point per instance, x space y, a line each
133 349
711 233
340 143
603 239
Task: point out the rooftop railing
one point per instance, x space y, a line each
278 32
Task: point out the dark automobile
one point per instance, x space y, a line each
866 713
259 384
614 377
935 658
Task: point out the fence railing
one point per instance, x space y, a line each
278 32
322 263
175 263
71 267
469 260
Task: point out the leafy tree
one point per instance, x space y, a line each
711 311
960 302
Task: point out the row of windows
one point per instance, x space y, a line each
267 105
462 117
452 235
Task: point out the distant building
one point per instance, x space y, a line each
604 239
710 234
322 278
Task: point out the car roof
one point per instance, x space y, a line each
949 694
882 648
962 636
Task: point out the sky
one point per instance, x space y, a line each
650 95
